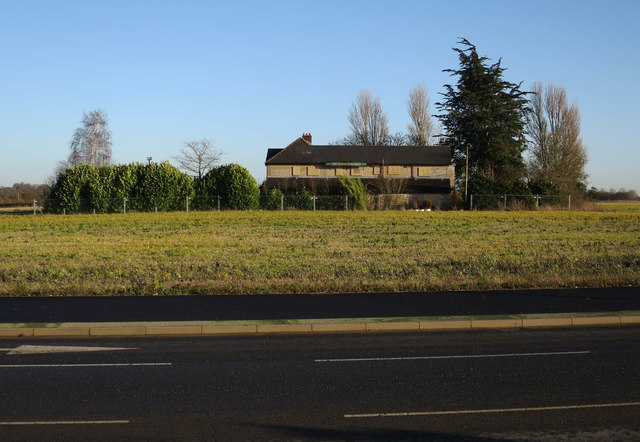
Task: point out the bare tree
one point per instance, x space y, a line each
51 179
91 143
557 155
421 129
398 139
390 191
368 121
198 157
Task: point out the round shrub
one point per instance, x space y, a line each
235 186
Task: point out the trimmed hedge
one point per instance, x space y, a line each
157 186
163 187
272 199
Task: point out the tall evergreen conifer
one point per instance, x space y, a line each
487 115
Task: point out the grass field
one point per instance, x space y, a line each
315 252
620 206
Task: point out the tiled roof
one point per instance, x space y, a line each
301 152
273 151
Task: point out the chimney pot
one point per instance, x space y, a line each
307 137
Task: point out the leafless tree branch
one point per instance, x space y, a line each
368 122
198 157
91 142
421 129
557 155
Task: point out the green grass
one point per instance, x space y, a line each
620 206
315 252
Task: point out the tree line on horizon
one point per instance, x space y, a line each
489 123
23 193
612 195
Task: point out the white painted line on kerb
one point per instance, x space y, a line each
425 358
66 422
495 410
140 364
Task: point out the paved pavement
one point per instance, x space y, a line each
275 307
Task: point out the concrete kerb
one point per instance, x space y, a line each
630 319
16 332
601 320
140 329
338 328
61 331
496 323
547 322
445 325
229 329
118 331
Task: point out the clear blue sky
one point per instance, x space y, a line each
254 75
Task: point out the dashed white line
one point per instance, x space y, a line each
421 358
66 422
494 410
138 364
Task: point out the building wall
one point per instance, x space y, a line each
289 171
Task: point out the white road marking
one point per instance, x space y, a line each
41 349
65 422
423 358
138 364
495 410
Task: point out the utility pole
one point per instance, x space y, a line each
466 174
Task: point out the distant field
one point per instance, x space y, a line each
315 252
13 210
620 206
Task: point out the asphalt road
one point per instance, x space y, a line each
264 307
500 385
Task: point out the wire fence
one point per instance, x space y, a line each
518 202
21 208
286 202
218 203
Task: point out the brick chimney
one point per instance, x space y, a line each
307 138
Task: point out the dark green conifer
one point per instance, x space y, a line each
486 115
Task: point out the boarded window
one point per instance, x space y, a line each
299 170
368 171
395 170
279 171
356 171
313 171
424 171
342 172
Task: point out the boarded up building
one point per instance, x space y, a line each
424 170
